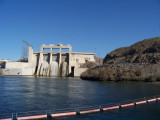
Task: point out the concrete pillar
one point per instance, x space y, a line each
30 54
40 62
41 58
60 55
50 60
42 48
70 58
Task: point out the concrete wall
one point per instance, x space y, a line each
79 71
18 65
77 59
38 61
35 59
18 71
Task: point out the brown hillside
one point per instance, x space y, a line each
139 62
146 51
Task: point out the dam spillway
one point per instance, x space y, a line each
54 69
53 63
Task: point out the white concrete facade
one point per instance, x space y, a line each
52 60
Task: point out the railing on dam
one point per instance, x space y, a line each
43 114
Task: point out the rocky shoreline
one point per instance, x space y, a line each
124 72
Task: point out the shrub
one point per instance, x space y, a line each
0 71
151 79
125 76
138 72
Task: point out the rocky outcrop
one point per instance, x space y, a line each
90 64
139 62
146 51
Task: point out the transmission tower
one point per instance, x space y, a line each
24 52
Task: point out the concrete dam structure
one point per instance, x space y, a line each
51 61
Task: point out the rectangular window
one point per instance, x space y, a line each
55 50
46 49
65 49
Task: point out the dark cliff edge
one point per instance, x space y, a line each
138 62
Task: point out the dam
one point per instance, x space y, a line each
51 61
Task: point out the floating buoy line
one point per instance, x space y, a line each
48 114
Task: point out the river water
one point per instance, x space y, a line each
22 94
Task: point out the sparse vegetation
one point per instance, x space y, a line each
145 51
151 78
139 62
138 72
0 71
121 72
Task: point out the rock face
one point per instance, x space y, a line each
146 51
139 62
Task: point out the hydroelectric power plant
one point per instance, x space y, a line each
52 60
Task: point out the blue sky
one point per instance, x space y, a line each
88 25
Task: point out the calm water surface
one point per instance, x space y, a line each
21 94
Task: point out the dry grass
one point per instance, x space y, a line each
0 71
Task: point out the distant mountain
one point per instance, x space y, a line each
138 62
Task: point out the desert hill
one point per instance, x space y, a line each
146 51
138 62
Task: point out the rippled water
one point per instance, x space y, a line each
20 94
